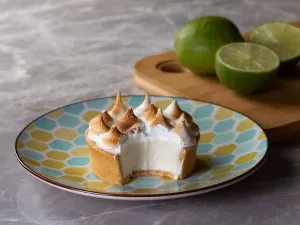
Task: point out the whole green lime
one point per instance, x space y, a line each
197 42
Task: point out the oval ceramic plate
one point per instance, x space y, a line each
53 149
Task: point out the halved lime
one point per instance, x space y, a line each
282 38
246 67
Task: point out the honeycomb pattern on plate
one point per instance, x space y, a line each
54 146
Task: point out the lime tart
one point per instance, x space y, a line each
125 143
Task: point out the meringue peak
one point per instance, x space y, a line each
159 119
180 127
173 111
182 131
142 108
146 100
150 113
183 117
127 121
98 126
119 108
114 131
111 139
107 118
188 121
188 116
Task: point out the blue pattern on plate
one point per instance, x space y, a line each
262 145
223 126
204 148
78 161
118 189
51 172
205 125
45 124
224 138
146 182
186 106
68 121
96 104
24 136
246 136
33 155
244 148
238 116
203 112
221 160
74 109
135 102
91 176
82 129
61 145
80 141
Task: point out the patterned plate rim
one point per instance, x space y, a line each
140 196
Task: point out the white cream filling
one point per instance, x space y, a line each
159 155
156 149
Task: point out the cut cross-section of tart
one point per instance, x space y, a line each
125 143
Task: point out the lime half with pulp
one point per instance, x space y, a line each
246 68
282 38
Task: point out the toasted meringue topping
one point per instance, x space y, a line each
119 109
111 139
97 125
107 118
141 109
159 120
93 133
146 122
187 139
128 121
173 111
150 113
186 118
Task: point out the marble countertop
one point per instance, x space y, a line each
55 52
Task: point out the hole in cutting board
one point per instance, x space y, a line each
171 67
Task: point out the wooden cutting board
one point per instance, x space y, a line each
277 110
